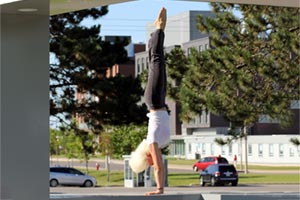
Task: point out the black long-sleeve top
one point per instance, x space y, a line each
155 91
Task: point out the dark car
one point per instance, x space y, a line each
70 176
219 174
206 161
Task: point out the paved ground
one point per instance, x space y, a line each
241 192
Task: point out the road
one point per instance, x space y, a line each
119 165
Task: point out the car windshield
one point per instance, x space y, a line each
227 168
222 160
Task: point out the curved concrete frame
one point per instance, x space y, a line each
24 102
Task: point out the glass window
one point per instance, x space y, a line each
203 149
249 149
190 148
223 150
212 149
260 150
271 150
230 149
200 48
281 150
292 152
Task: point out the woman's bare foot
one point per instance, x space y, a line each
158 191
160 22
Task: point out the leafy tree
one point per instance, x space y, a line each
252 68
125 138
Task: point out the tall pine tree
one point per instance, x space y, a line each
252 68
79 59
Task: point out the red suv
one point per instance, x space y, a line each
206 161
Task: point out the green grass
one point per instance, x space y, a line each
187 179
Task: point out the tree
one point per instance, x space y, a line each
252 68
79 60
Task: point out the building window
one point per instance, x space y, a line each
260 150
203 149
230 150
189 50
200 48
206 46
281 150
143 64
138 66
223 150
249 149
271 150
212 149
190 148
292 153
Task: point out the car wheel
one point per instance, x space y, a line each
202 183
213 181
234 183
53 183
195 168
88 183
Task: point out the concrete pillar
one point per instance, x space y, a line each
24 105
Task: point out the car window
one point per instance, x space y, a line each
210 168
222 160
227 168
75 171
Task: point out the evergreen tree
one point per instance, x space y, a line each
252 68
79 60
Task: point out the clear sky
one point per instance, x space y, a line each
131 18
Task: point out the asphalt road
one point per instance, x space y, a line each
119 165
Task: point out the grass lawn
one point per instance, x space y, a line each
187 179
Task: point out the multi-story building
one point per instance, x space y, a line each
267 142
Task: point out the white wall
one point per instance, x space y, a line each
24 122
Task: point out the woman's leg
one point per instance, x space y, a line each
159 170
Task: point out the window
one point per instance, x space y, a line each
138 66
203 149
230 150
212 149
249 149
260 150
223 150
281 150
200 48
271 150
143 64
190 148
292 152
206 46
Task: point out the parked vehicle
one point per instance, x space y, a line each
219 174
206 161
70 176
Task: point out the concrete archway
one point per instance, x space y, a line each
24 82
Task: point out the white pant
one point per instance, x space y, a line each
158 128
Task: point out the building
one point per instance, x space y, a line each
267 142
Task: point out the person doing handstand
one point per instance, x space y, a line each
158 135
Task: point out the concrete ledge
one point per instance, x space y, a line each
129 197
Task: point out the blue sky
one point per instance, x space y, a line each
130 18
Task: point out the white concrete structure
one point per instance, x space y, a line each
24 65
